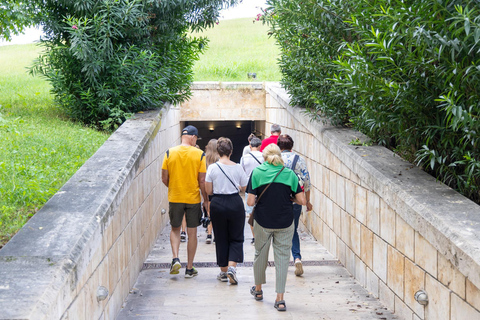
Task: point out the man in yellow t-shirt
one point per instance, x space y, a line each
183 172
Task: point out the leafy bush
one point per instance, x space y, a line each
111 58
309 36
15 15
406 73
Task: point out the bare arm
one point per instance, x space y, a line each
300 199
165 177
242 189
251 199
307 198
209 188
201 183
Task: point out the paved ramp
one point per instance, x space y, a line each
325 291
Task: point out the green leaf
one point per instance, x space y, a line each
467 26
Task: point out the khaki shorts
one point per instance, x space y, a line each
193 213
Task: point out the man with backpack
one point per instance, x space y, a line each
183 172
299 166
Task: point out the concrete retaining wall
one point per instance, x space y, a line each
394 227
96 231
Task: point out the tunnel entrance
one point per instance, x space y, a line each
237 131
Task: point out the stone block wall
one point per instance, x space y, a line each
394 227
219 101
96 231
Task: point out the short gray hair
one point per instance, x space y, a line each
276 128
255 142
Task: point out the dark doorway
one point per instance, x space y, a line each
237 131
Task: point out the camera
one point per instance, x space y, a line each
205 221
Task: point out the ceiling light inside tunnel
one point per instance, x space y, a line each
211 128
239 126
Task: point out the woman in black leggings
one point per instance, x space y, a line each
223 182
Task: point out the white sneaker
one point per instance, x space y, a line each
232 275
209 239
298 268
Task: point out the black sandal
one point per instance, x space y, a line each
278 303
258 295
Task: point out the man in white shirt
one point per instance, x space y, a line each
246 150
249 162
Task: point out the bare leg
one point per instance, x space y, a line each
191 246
280 298
209 228
184 224
175 241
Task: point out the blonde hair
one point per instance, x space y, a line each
272 155
211 154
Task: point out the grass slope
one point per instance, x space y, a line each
238 47
39 149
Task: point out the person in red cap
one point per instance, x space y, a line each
183 172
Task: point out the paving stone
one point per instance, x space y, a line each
325 291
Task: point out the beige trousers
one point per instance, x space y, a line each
282 244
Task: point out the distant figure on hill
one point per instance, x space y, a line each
275 130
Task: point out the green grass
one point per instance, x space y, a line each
39 149
238 47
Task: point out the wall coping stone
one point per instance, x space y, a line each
218 85
51 252
445 218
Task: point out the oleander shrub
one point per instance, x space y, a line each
108 59
405 73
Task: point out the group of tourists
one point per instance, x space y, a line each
276 183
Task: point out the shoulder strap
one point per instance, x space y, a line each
261 194
254 157
294 163
227 176
168 153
